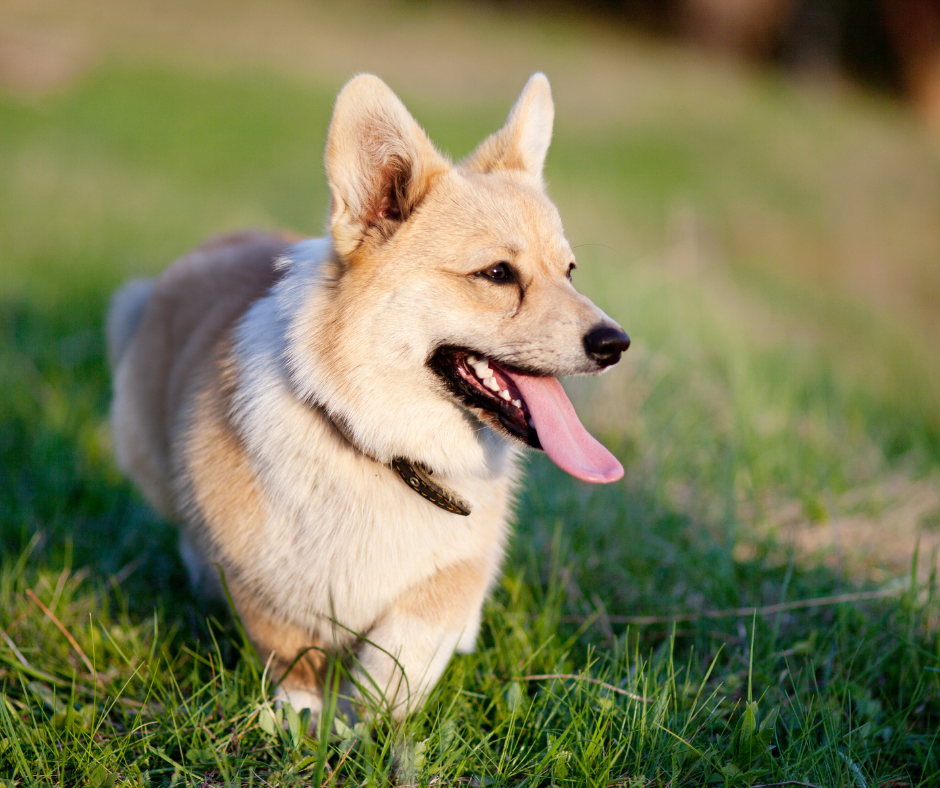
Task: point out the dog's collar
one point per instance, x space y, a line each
414 474
417 477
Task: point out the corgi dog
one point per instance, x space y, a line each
337 423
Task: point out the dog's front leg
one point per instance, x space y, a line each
296 660
406 652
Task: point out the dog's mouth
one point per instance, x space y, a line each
526 407
481 383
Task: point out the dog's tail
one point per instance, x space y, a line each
124 314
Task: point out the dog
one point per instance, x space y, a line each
337 423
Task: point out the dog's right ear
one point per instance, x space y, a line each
379 163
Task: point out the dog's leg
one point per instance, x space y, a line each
295 659
406 652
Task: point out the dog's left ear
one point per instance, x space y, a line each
522 143
379 163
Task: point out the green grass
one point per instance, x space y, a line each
755 380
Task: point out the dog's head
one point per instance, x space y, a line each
447 304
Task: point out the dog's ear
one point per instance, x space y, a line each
522 142
379 164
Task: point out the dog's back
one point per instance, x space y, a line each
162 334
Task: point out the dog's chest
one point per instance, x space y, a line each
353 538
344 533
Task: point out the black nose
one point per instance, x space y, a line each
604 344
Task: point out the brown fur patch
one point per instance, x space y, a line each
216 479
448 597
283 646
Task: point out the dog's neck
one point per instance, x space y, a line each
374 380
414 474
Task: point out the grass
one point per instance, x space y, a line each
759 380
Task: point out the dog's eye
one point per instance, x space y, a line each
501 272
571 267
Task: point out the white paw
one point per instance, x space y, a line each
300 700
467 643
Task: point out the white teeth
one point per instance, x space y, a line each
482 368
517 403
472 360
491 384
505 395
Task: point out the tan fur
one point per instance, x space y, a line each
263 385
217 484
190 305
448 597
295 659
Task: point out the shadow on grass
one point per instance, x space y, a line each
61 493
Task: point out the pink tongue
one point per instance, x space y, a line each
561 433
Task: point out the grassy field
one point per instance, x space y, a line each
773 253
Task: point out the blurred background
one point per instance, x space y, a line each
752 188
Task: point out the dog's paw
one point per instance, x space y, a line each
300 699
